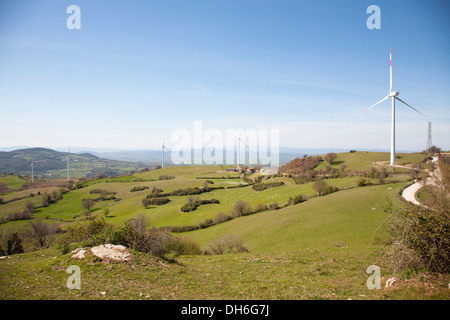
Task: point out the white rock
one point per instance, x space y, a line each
390 282
79 253
111 252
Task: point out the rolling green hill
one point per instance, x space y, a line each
316 249
53 164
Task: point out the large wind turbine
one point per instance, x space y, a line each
393 95
163 148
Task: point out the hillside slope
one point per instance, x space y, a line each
53 164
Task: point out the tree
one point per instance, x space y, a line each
241 208
106 212
87 204
41 233
14 244
145 203
29 207
434 149
319 185
330 157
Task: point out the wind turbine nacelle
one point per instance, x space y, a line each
393 94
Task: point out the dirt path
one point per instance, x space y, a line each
409 194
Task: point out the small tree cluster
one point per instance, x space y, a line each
226 244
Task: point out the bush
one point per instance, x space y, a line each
264 186
221 217
319 185
362 182
205 224
421 238
330 189
260 207
274 206
29 207
87 204
226 244
138 188
134 234
194 204
241 208
95 232
41 233
14 244
166 177
159 201
297 199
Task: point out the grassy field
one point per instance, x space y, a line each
364 160
12 182
317 249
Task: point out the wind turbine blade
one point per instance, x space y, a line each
390 63
371 107
410 106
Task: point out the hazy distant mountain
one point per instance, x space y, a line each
53 164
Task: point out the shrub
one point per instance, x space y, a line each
274 206
29 207
264 186
226 244
23 215
194 204
329 189
14 244
297 199
241 208
421 238
362 182
156 190
319 185
159 201
330 157
134 234
205 224
221 217
166 177
145 203
260 207
87 204
138 188
41 233
95 232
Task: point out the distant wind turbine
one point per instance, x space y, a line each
32 169
163 148
68 163
393 95
239 149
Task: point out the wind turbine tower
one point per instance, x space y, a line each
429 143
68 163
394 96
163 148
32 169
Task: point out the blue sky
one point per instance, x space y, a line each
138 70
